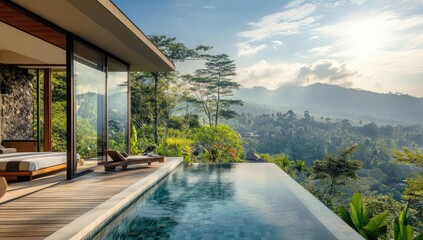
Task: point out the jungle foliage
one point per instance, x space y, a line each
383 162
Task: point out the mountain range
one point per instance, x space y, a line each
338 101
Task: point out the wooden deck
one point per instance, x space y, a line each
54 204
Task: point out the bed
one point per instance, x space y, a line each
25 165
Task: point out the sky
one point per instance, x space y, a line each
374 45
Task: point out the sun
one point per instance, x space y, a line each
368 36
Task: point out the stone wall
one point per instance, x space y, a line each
16 103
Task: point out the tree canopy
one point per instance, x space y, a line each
336 168
212 87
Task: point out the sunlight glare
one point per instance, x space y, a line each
367 36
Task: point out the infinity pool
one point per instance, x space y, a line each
239 201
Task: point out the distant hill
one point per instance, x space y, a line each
341 101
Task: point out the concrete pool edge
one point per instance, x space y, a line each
91 220
323 214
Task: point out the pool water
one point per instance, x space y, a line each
239 201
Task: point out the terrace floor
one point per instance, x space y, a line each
37 209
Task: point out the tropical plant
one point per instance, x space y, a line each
135 149
360 221
301 170
402 226
282 161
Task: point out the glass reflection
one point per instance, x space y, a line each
117 91
90 92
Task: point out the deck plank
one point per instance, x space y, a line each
38 214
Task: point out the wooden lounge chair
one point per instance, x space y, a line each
122 159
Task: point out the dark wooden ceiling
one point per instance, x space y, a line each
31 25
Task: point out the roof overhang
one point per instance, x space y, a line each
20 48
102 24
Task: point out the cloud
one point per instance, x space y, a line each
385 47
285 22
359 2
376 46
386 65
294 3
273 76
270 75
247 49
326 71
251 48
277 43
389 18
417 41
276 75
336 3
370 33
320 50
188 7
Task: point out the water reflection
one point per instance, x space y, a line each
240 201
188 196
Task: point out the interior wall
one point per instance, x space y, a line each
16 103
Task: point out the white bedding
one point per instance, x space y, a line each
30 161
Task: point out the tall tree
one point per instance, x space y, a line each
336 168
156 108
175 51
201 93
142 99
147 107
212 86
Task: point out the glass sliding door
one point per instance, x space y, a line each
117 92
90 105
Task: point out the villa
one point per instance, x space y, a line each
96 47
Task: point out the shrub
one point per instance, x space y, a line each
220 144
177 147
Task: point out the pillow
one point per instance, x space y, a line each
8 150
2 147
